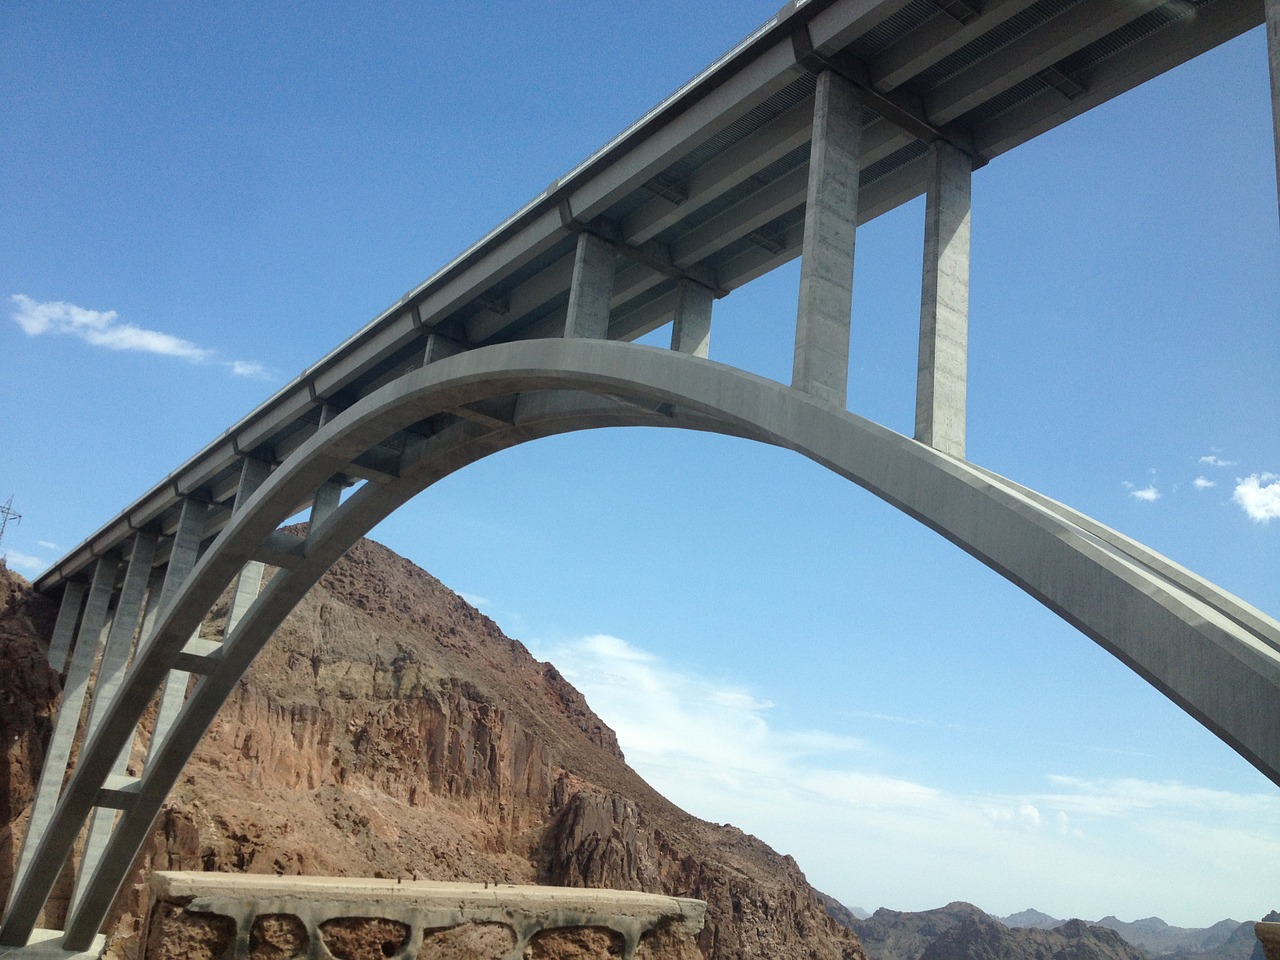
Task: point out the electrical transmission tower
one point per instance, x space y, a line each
7 514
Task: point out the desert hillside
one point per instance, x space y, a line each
389 729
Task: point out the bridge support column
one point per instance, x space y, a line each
115 658
88 640
942 372
691 330
182 559
65 626
821 364
1273 60
591 290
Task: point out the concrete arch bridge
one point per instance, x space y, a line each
831 113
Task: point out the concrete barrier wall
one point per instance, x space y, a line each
217 916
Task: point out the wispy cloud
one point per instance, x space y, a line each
46 544
103 328
1213 460
1147 494
23 561
723 752
1203 483
1259 496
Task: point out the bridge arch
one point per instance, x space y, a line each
1213 655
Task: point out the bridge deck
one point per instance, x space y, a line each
709 188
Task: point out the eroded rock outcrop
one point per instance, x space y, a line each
391 730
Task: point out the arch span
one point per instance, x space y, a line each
1213 655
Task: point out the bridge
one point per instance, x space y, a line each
830 114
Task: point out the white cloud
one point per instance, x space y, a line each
1147 494
1259 496
475 600
1216 461
1084 846
24 561
246 368
46 544
102 328
1203 483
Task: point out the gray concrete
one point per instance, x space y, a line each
469 295
691 325
821 365
499 290
591 290
1213 655
425 906
47 945
942 370
115 656
1273 62
64 627
89 640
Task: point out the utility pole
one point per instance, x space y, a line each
7 514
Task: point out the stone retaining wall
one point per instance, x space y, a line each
219 916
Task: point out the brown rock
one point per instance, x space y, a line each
176 934
364 938
576 943
389 729
277 936
471 941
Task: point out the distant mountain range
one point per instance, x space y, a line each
1225 940
960 931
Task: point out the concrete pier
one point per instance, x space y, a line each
592 288
821 365
691 328
942 371
205 916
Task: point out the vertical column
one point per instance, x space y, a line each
65 626
110 673
591 292
831 217
691 328
942 369
182 559
1273 61
88 640
249 582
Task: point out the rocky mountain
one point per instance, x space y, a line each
984 938
960 931
837 911
1225 940
1031 918
389 729
902 935
1157 938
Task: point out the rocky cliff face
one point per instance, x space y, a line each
391 730
960 931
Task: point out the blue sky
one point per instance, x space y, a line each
199 203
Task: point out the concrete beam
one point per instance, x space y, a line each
691 327
821 364
591 290
934 40
942 371
736 165
1037 49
